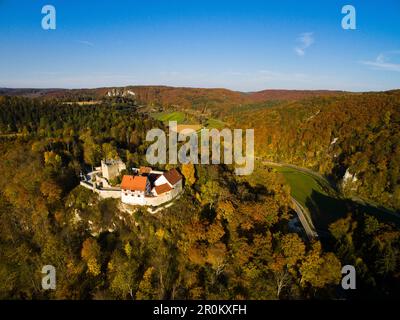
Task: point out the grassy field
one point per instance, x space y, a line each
84 103
213 123
303 184
183 118
170 116
316 195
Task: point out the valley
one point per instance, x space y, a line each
324 202
198 153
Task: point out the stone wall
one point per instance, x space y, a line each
103 193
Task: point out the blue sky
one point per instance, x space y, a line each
241 45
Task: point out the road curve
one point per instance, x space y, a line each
302 212
308 226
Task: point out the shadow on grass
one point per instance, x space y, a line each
325 209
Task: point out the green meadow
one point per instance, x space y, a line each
182 118
213 123
170 116
304 184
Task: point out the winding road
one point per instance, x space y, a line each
302 213
308 226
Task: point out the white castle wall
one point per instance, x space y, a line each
115 194
165 197
133 198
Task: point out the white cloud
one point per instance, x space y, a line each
87 43
382 62
305 40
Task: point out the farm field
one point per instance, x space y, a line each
170 116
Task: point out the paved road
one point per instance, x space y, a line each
308 226
302 212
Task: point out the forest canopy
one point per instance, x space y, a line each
225 238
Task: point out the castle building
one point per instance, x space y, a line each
134 189
150 188
111 169
144 187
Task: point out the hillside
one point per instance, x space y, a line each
349 137
353 139
266 95
216 102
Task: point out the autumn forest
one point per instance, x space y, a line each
227 236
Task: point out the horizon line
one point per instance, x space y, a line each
192 87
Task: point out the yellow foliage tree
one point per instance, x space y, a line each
146 290
189 172
91 254
50 190
320 270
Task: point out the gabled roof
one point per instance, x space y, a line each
134 183
172 176
163 188
153 177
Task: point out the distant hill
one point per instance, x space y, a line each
266 95
27 92
215 101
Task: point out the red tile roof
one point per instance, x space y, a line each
134 183
163 188
173 176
